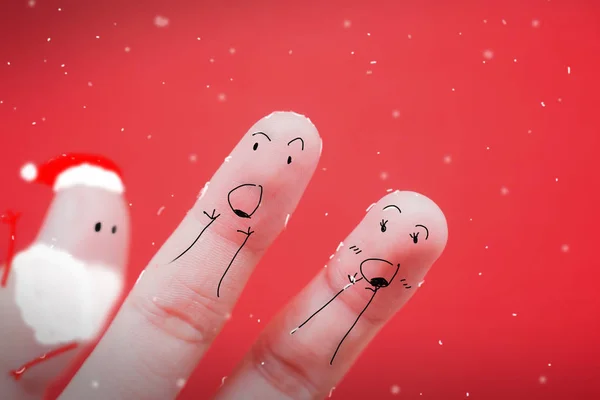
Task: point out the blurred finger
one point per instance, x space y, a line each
186 294
313 342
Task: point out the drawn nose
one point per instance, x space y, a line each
245 199
378 272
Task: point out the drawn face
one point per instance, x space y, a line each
91 224
405 225
269 144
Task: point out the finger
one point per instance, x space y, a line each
47 320
186 294
301 357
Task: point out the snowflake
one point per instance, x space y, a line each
504 191
395 389
161 22
232 50
222 97
564 248
383 175
447 159
127 49
347 23
535 23
543 379
31 3
488 54
396 114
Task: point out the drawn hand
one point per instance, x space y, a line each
212 216
172 316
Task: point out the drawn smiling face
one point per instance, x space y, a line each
407 226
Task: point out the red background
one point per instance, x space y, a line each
516 178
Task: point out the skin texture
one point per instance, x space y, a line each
173 314
69 225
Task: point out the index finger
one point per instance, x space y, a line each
187 292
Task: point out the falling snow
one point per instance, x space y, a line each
564 248
347 23
396 114
447 159
383 176
514 314
161 22
180 383
31 3
231 50
193 158
535 23
504 191
160 210
222 97
543 379
488 54
223 380
440 342
127 49
95 384
331 391
395 389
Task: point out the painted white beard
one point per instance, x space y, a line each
61 298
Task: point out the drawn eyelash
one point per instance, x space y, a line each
383 226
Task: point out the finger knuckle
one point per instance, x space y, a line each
285 368
183 312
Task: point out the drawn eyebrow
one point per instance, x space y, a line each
298 138
262 133
393 206
426 230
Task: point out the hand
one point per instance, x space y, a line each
172 316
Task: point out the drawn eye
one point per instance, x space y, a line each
114 229
255 146
415 237
383 226
289 159
98 226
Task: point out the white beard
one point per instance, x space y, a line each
61 298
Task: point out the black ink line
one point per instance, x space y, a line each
355 321
402 280
298 138
212 219
234 256
427 230
240 213
262 133
408 287
393 206
358 252
318 311
351 247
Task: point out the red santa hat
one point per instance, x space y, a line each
68 170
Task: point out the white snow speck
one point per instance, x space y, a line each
556 179
258 320
90 84
569 70
97 37
515 60
95 384
409 36
193 158
480 273
212 60
485 21
160 210
339 246
203 190
31 3
488 54
373 62
467 394
180 383
371 206
127 49
231 50
395 389
504 191
326 214
440 342
331 391
564 248
549 364
49 39
8 63
347 24
396 114
33 123
223 380
514 314
331 256
543 379
503 23
287 218
161 22
535 23
290 52
420 283
447 159
262 363
222 97
369 72
543 104
389 190
383 176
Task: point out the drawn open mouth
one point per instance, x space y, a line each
245 199
378 272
